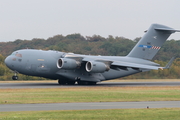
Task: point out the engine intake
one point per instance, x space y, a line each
69 64
96 67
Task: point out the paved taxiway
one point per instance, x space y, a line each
102 84
88 106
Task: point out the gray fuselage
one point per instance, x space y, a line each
44 64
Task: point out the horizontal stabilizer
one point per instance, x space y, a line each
167 29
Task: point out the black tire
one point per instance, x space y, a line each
62 82
86 83
15 77
71 82
80 82
91 83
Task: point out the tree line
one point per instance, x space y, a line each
93 45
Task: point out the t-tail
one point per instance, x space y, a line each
151 42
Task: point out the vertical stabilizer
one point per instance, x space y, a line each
151 42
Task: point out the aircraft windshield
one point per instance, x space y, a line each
13 53
16 54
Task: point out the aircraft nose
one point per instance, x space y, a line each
7 62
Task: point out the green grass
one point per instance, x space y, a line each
91 94
114 114
88 94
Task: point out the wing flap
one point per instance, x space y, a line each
134 66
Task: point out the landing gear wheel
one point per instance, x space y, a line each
15 77
91 83
62 82
80 82
71 82
86 83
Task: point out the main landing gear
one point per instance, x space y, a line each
79 82
15 77
66 82
86 83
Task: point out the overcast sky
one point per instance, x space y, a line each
28 19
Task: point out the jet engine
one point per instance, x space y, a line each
96 67
69 64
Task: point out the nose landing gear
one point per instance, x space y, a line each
15 77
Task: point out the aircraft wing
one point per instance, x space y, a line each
118 65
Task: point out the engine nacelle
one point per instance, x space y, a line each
96 67
69 64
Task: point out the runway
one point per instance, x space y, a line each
102 84
88 106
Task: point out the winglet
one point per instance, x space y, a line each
169 63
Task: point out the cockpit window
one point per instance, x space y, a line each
18 55
13 53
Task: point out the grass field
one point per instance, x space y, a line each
89 94
114 114
92 94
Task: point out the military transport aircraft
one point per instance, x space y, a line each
70 68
